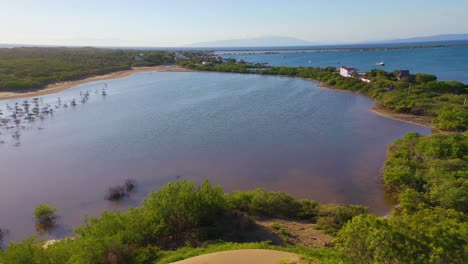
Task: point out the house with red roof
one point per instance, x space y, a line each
347 72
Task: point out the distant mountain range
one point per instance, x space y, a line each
278 41
443 37
255 42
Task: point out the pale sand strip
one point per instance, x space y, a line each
57 87
244 256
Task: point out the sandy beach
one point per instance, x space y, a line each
57 87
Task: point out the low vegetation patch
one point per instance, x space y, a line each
33 68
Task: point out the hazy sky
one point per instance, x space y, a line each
176 22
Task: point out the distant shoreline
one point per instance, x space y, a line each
58 87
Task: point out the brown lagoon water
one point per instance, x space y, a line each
241 131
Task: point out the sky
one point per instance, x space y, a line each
165 23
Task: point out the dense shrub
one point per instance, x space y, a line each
428 236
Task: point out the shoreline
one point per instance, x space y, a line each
61 86
425 121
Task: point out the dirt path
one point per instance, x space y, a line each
244 256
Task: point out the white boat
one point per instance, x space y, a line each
380 63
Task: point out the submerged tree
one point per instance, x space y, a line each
45 216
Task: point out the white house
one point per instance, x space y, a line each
347 72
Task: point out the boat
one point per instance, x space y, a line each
380 63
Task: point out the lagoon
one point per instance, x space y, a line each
238 130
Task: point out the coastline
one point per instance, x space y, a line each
58 87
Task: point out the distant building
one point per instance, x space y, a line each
241 62
206 63
347 72
403 74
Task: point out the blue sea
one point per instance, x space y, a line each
447 63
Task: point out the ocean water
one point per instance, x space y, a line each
448 63
241 131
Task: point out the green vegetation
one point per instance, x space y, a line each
34 68
177 215
421 94
429 171
44 213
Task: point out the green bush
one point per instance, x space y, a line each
452 118
44 213
429 236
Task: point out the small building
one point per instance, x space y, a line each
241 62
206 63
347 72
403 74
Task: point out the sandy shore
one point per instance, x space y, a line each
257 256
377 109
413 119
57 87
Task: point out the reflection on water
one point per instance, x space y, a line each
241 131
